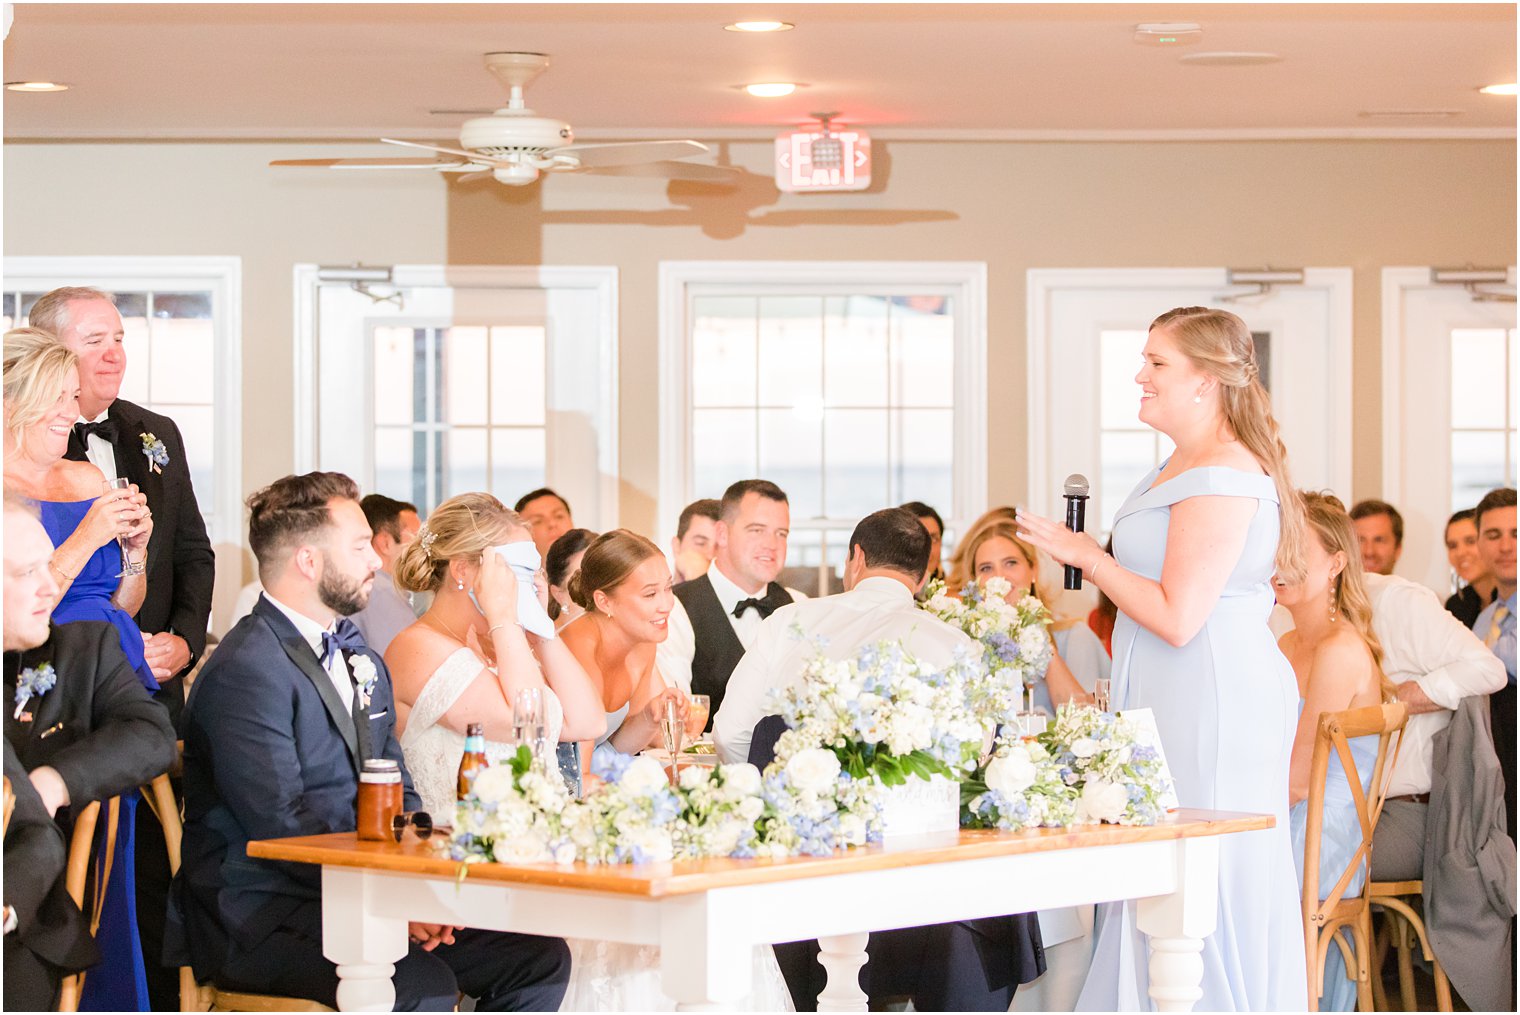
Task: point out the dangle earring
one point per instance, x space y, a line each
459 586
1198 398
1333 590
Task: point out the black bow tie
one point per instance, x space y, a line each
344 638
765 606
79 442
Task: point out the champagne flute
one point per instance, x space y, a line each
528 722
1101 693
127 567
671 729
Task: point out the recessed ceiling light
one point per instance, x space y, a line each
1499 89
1223 59
771 89
759 26
36 86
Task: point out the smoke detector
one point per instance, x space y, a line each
1168 33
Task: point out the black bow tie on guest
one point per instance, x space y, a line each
766 606
344 638
104 429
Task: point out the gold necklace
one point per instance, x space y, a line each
446 628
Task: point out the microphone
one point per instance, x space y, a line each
1076 518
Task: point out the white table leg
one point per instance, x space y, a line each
365 947
842 957
704 965
1177 924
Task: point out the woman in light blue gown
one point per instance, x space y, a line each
1195 548
1337 659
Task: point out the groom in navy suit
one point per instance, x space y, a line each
276 729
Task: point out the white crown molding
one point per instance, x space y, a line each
767 133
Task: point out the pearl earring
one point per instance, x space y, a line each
1198 399
459 586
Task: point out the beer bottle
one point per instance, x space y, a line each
474 757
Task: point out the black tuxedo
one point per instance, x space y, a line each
52 937
97 726
271 751
718 649
181 565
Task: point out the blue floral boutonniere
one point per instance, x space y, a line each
154 450
364 676
33 683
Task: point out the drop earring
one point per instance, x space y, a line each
1332 597
459 586
1198 398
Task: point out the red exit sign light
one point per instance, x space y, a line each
809 161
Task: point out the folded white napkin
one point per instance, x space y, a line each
522 557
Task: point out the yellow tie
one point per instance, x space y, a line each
1493 629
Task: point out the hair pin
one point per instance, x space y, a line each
427 537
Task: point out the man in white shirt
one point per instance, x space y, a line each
1436 662
389 611
973 965
717 615
877 605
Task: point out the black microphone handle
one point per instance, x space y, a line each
1076 521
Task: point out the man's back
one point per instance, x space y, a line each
877 609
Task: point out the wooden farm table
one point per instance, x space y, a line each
707 915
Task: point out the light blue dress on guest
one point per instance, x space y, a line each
1339 838
1083 654
1226 705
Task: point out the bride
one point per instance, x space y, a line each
624 586
465 660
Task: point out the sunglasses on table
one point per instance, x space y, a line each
420 821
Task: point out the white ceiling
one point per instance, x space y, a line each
200 71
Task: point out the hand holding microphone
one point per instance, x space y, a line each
1076 519
1066 544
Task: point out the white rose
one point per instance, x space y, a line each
655 843
1102 801
643 777
742 779
693 776
725 838
564 854
852 830
998 587
525 848
813 770
750 808
1084 747
494 784
1011 774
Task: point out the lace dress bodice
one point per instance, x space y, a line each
433 750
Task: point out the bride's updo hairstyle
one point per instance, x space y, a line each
462 527
608 562
1219 344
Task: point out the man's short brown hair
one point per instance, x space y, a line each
1373 508
1501 497
289 511
735 494
51 311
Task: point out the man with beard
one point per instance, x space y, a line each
277 728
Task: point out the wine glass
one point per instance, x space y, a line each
128 568
528 723
1101 693
697 711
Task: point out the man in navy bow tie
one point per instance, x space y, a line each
276 730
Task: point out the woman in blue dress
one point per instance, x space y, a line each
1195 548
1337 659
82 517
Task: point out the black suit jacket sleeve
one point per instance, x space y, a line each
194 560
130 739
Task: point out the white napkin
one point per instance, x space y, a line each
522 557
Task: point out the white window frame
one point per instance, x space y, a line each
223 278
602 282
966 283
1404 485
1043 492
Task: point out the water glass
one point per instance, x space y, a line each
697 711
528 723
127 567
1101 694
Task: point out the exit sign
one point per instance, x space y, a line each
809 161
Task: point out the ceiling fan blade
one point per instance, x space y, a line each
671 170
373 164
472 177
626 153
478 159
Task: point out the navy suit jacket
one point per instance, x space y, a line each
270 751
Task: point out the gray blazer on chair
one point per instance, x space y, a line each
1470 861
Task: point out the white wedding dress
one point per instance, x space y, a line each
604 975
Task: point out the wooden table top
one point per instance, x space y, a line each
657 880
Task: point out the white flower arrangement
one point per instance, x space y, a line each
519 813
1020 787
1115 776
883 713
1016 644
814 806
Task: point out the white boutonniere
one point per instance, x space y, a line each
155 451
33 683
365 677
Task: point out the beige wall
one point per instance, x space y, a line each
1363 204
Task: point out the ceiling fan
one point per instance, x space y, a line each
514 145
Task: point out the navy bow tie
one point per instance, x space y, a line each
344 638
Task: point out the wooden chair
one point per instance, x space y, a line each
1323 919
77 875
1401 927
193 997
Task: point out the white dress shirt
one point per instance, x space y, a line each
337 669
99 450
1424 643
674 655
876 609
